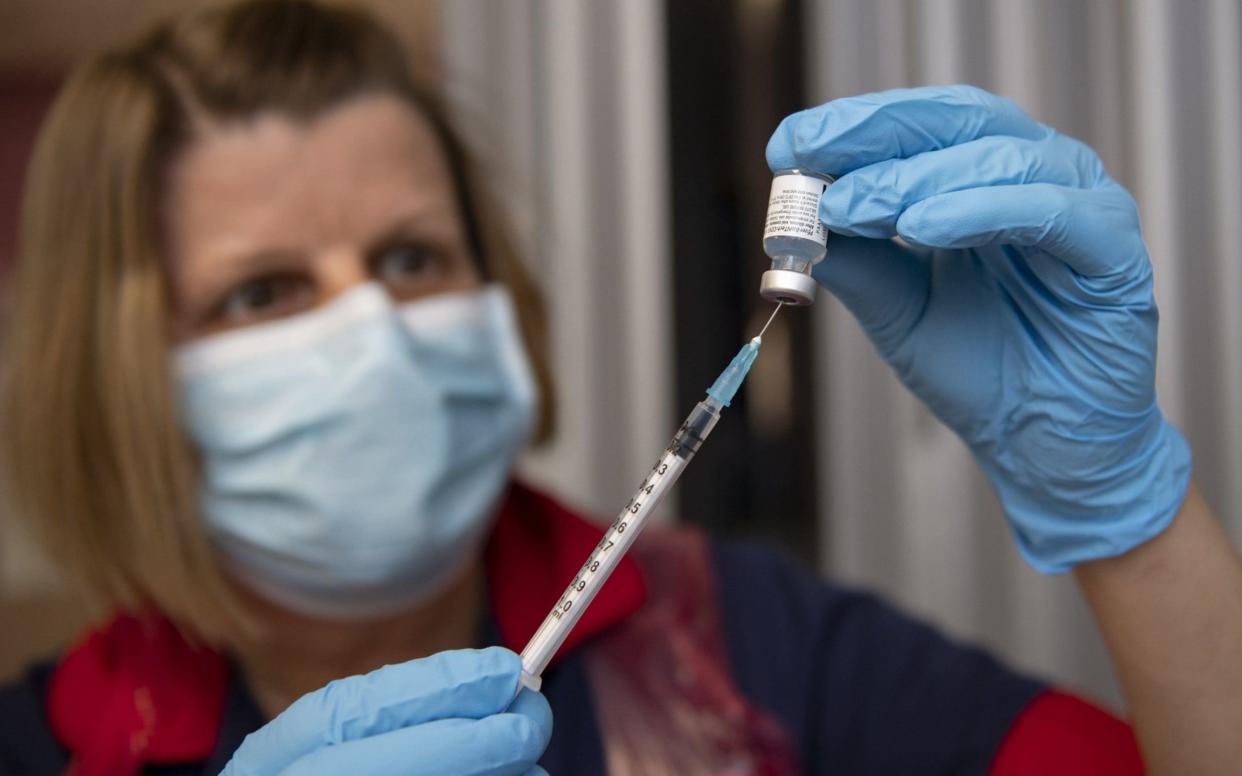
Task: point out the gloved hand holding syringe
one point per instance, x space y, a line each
621 534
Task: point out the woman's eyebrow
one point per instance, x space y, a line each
412 224
245 262
261 257
396 230
224 269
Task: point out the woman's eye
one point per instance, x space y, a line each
263 299
406 265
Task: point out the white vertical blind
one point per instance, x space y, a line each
1155 86
1224 84
568 97
1157 180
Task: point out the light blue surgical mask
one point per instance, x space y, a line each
354 456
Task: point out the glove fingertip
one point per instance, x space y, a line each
492 675
460 683
923 223
834 204
533 705
532 735
488 665
511 738
780 151
500 659
845 208
453 667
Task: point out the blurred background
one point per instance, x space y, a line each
627 139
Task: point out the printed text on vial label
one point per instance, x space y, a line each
794 213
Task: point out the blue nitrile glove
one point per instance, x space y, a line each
444 715
1025 318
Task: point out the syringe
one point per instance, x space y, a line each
625 529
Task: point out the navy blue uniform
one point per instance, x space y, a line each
861 689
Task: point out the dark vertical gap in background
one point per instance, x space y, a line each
24 101
735 69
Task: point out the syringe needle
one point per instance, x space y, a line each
772 317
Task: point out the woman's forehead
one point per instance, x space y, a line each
337 177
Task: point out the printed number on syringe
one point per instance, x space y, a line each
605 544
579 584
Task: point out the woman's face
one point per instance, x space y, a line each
272 217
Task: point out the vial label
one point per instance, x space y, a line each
793 208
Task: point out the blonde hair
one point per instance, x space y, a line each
94 454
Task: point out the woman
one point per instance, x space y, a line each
271 361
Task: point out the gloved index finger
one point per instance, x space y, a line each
853 132
468 684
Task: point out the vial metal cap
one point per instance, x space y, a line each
787 287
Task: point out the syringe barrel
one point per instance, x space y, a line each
617 540
698 424
600 564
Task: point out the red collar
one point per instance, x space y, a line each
134 692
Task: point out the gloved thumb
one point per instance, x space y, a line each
883 283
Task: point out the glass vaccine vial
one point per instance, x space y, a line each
793 236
